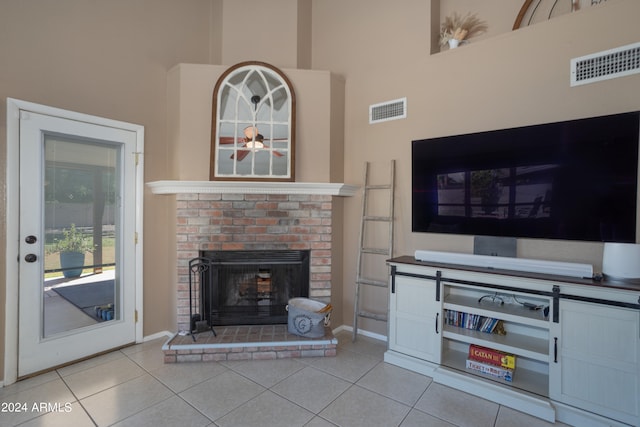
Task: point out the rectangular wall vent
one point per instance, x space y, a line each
390 110
608 64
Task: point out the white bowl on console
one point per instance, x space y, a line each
621 260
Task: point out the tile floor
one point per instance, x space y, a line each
133 387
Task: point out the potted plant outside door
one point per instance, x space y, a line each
72 247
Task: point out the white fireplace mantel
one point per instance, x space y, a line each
251 187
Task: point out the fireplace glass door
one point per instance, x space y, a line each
254 287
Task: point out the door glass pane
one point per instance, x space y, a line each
81 229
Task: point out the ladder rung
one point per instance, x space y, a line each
378 187
378 218
372 282
368 315
377 251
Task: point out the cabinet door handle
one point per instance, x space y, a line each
393 279
555 349
556 304
437 317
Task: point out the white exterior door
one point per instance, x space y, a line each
79 200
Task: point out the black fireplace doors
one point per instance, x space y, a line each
253 287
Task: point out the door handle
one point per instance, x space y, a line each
30 257
31 239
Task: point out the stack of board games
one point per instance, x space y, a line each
491 362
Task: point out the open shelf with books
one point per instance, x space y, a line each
518 344
512 322
529 376
507 305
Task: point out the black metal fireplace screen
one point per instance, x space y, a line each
249 287
200 270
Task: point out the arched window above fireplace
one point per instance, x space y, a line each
253 125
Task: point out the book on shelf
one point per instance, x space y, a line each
491 356
474 322
493 370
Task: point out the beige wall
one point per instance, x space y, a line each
274 31
509 79
111 58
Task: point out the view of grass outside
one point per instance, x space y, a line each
79 195
52 257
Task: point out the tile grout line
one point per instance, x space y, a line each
77 399
173 393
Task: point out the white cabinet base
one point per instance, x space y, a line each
528 403
577 358
533 405
411 363
576 417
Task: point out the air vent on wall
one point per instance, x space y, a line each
390 110
608 64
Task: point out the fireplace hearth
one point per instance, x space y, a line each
253 287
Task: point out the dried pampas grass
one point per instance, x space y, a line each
461 27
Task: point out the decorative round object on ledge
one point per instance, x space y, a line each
534 11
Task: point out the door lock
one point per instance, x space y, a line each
31 239
30 257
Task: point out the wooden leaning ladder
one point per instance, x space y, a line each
366 223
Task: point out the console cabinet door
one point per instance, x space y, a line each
415 323
596 363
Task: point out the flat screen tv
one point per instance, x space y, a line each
573 180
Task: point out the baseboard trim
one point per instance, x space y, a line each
577 417
362 332
157 335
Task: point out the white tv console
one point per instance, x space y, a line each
576 341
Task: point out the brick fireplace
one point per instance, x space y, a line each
255 215
239 216
238 222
